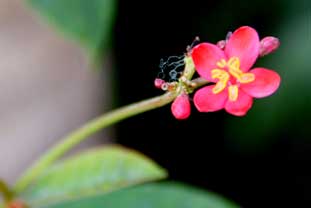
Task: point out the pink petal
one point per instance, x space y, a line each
244 44
240 106
205 56
181 108
206 101
266 83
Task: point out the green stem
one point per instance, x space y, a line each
7 194
93 127
87 130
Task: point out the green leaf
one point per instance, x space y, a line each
166 195
89 22
94 172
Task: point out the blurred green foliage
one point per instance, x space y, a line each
166 195
89 22
90 173
285 114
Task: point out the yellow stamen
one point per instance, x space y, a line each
234 63
220 86
223 78
246 78
233 91
234 69
222 63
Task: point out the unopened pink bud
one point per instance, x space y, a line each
221 44
268 45
181 108
158 83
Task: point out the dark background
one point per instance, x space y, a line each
260 160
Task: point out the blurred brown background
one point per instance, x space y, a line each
46 88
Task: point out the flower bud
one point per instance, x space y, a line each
165 86
181 108
221 44
268 45
158 83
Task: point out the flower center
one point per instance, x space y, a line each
223 76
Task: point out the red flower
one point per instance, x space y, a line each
235 86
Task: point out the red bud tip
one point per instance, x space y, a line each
221 44
158 83
268 45
181 108
16 204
